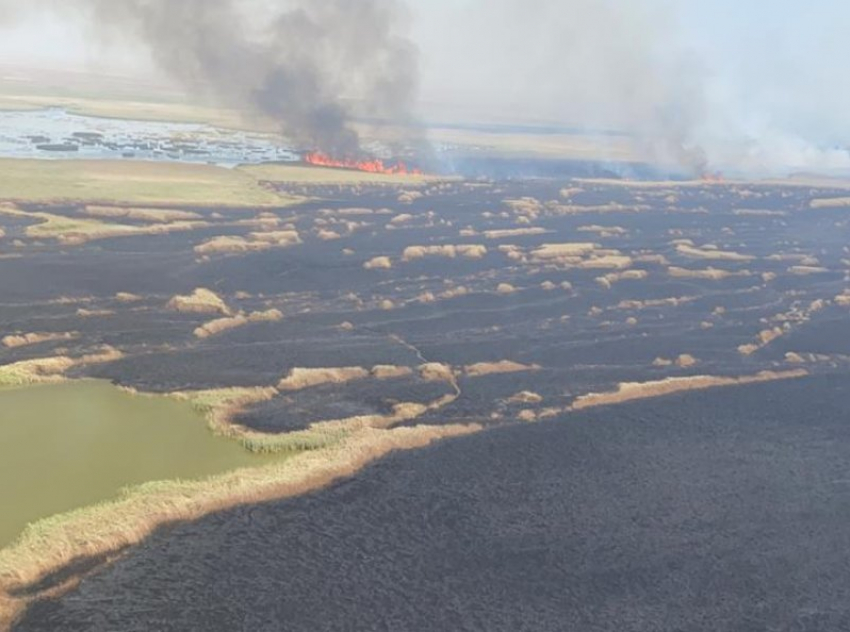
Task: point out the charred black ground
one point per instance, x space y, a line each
785 266
713 511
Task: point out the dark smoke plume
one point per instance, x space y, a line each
310 65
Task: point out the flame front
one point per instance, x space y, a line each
374 165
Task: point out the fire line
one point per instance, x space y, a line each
374 165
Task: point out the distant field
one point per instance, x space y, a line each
138 111
133 182
115 97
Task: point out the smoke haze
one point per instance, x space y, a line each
309 65
755 88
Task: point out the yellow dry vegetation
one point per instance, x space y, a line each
629 391
709 274
525 397
300 378
111 182
515 232
611 278
75 231
221 325
710 254
201 301
255 242
437 372
807 270
15 341
127 297
560 251
378 263
389 372
468 251
841 202
51 370
155 215
481 369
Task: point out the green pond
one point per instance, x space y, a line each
71 445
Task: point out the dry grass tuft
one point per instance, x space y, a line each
514 232
24 340
830 202
496 368
300 378
220 325
94 313
51 370
525 397
711 254
390 372
629 391
559 251
436 372
468 251
708 274
127 297
807 270
155 215
75 231
201 301
378 263
255 242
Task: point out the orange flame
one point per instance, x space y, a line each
713 178
375 165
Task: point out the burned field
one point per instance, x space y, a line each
342 320
700 511
468 291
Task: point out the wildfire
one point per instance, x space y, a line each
374 165
713 178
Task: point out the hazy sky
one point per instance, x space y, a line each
717 69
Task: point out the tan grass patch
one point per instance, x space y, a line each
201 301
300 378
24 340
378 263
51 370
710 254
708 274
221 325
514 232
468 251
629 391
496 368
156 215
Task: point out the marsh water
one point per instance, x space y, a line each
57 133
70 445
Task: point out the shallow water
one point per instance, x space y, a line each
70 445
25 134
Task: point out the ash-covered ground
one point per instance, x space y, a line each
522 294
714 511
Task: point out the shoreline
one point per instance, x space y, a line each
104 530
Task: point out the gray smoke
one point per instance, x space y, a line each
310 65
601 65
635 66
